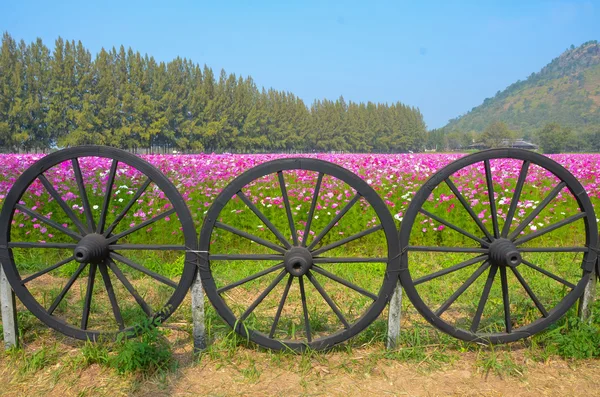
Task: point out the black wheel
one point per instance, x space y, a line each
284 291
95 241
498 245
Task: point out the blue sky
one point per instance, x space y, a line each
443 57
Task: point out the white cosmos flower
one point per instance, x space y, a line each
95 207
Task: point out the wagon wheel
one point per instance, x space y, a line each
284 291
495 244
72 242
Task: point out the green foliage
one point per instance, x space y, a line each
452 140
566 91
147 354
572 338
501 364
496 134
95 353
123 99
30 362
552 138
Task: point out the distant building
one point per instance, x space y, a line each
517 143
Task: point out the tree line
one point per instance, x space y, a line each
66 97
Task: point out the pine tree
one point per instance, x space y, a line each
123 99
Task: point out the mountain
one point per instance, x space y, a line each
566 91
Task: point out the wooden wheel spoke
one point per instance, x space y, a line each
468 208
454 227
492 197
311 212
451 269
109 186
142 225
550 228
537 210
263 295
26 244
48 269
143 269
88 296
461 289
126 209
250 237
515 199
328 299
305 309
147 247
530 292
115 269
347 239
49 222
319 259
244 257
288 209
66 288
344 282
465 250
67 210
335 220
280 307
484 297
83 194
549 274
505 299
264 219
554 249
250 278
111 296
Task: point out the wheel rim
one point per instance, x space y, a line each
303 275
87 197
514 276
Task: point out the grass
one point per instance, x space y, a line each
501 364
158 355
131 365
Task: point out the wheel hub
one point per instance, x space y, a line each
93 248
298 261
504 253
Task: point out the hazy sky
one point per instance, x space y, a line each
443 57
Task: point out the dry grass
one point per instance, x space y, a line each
230 369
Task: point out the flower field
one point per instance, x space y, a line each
140 212
199 178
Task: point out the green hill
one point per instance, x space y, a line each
566 91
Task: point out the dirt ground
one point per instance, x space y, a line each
555 378
357 373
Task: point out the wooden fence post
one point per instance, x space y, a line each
199 329
9 313
589 294
394 317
